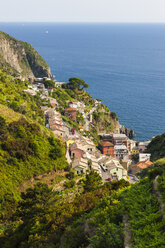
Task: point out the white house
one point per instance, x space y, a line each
144 156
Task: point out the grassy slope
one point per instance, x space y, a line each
18 109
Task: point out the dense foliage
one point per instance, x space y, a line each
147 225
157 147
27 148
41 218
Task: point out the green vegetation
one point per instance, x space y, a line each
103 119
49 84
161 186
157 147
42 220
76 83
144 216
76 211
14 102
27 148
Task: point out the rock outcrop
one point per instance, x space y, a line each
20 57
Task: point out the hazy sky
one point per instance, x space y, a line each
83 10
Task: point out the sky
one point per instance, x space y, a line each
82 11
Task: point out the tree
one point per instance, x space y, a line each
36 201
77 83
3 129
49 84
92 181
107 236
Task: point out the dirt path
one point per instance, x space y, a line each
127 232
158 195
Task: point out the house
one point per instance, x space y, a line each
45 92
143 145
80 107
144 156
80 165
120 139
141 166
120 151
73 105
53 102
114 169
58 131
30 92
32 87
74 151
132 144
117 172
54 121
36 80
106 148
59 84
135 150
97 102
80 128
107 137
71 113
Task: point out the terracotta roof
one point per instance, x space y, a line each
70 109
77 149
106 143
144 164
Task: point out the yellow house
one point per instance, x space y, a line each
69 142
134 151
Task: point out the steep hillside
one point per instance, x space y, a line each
157 147
96 217
27 148
20 57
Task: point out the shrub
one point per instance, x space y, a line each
70 184
70 175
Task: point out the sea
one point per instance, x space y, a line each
124 65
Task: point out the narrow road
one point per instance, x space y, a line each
127 232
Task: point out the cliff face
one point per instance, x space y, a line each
20 57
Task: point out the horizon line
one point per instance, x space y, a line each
78 22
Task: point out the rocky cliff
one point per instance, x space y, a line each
20 57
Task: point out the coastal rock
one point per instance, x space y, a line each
130 133
20 57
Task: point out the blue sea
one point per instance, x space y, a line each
124 65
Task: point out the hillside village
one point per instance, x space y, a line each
62 155
115 156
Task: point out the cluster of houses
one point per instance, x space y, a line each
85 156
112 159
119 146
38 86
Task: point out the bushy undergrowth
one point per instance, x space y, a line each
146 222
161 186
45 218
157 147
27 148
24 152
